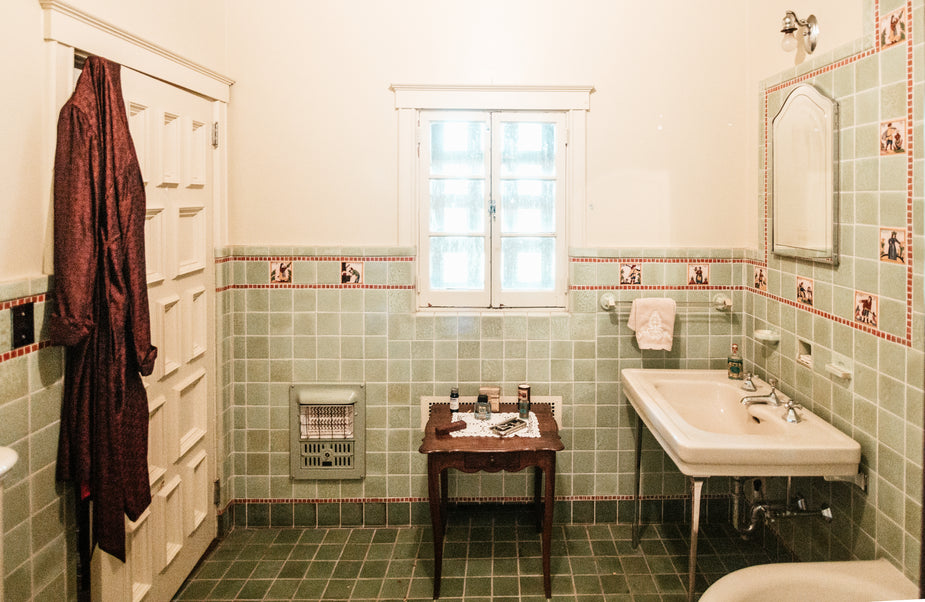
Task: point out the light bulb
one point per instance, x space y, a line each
788 43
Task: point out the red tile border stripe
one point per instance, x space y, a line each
24 350
11 303
355 258
656 287
276 285
465 499
653 260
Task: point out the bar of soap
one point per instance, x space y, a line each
449 428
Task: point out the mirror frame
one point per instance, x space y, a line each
826 144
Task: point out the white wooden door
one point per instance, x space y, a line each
171 128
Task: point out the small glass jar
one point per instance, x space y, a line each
523 401
482 408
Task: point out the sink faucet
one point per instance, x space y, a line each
770 399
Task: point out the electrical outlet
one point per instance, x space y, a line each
23 325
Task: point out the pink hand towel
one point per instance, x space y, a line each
653 321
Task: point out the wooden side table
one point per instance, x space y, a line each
491 454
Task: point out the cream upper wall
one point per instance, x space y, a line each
313 155
192 29
671 130
313 129
24 206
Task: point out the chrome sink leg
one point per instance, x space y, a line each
736 502
696 490
637 501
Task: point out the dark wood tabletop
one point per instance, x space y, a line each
440 416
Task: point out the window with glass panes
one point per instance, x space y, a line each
492 209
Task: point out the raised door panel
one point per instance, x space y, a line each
171 130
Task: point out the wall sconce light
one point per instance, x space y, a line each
809 29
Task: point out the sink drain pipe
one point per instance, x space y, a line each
761 512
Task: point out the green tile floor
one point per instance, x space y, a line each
487 556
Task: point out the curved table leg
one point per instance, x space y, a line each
444 494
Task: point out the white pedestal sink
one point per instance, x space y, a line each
698 419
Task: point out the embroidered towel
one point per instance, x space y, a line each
653 321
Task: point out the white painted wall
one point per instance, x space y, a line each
672 127
313 129
193 29
23 207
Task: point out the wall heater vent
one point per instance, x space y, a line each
328 430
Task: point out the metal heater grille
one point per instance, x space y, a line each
327 427
326 421
327 455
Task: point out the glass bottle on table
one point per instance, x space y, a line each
454 404
482 408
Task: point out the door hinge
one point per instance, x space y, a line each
217 492
215 134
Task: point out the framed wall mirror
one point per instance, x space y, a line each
804 176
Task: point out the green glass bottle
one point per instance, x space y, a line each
734 364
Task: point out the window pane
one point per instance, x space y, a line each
528 149
457 148
528 206
457 262
528 263
457 206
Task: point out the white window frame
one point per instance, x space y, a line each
411 100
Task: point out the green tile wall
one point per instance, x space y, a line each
317 330
882 405
36 511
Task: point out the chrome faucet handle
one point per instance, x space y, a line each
773 394
748 385
790 414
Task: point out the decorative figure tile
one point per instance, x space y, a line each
630 273
280 272
893 28
698 273
893 245
351 272
866 308
892 137
761 278
805 290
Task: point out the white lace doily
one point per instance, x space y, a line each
482 428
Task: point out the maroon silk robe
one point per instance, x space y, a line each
100 310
